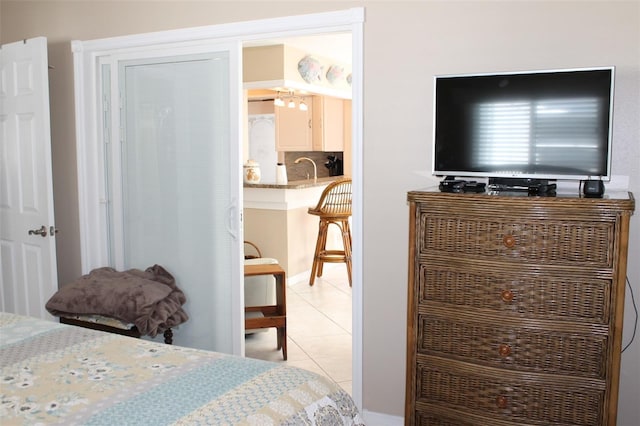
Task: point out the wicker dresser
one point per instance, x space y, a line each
515 308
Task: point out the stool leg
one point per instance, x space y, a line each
323 251
320 247
346 241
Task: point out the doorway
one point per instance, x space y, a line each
88 136
319 317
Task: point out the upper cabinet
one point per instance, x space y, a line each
326 85
294 128
320 128
328 124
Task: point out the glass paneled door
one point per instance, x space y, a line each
172 186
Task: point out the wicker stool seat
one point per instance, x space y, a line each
334 207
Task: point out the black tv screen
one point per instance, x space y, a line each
552 124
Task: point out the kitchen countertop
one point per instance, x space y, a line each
296 184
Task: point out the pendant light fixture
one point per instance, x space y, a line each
278 101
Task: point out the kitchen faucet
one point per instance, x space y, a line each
315 169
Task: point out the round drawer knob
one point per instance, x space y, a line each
504 350
501 401
507 295
509 241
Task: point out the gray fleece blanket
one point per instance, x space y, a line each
149 299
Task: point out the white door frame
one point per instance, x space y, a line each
85 54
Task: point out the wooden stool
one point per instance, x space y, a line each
273 315
334 207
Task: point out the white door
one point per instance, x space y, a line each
171 178
27 247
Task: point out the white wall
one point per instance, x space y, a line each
406 43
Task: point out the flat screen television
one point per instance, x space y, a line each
538 125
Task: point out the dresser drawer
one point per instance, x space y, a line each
515 307
521 292
496 238
434 415
507 396
424 418
519 346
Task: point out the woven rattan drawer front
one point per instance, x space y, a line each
434 415
427 419
512 291
520 347
507 397
552 241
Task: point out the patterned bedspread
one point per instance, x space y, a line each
54 373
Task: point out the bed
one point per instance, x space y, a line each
57 373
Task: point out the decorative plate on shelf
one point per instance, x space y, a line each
310 69
335 73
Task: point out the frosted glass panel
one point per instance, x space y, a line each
175 186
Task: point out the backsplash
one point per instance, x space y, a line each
299 171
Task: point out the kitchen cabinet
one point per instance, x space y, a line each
320 128
328 124
293 127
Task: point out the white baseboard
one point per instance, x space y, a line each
379 419
304 276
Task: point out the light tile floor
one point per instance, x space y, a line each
318 327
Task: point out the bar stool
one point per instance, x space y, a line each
334 207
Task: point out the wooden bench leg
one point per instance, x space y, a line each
168 336
282 341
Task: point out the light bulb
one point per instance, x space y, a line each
278 102
303 106
292 104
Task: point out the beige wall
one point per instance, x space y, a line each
280 62
267 230
405 44
286 235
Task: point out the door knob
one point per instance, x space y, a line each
42 231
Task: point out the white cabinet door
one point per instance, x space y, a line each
27 246
293 127
328 124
